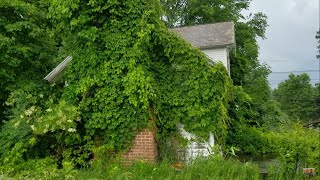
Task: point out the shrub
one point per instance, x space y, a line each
297 148
249 140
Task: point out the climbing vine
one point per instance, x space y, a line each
127 69
127 64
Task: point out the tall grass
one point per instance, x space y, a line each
209 168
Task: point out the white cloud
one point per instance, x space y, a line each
290 36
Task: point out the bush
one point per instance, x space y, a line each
249 140
297 148
38 169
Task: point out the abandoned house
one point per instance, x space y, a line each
215 40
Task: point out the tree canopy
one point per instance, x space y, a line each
26 49
191 12
297 97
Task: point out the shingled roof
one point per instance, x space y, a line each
208 35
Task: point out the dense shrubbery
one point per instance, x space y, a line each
294 148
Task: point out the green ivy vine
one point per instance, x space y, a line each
128 68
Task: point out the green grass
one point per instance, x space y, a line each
214 167
201 169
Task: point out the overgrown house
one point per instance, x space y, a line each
215 40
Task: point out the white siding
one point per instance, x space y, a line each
218 54
195 147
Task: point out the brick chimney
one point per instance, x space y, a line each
144 148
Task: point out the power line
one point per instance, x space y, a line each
267 60
287 79
284 72
278 80
276 83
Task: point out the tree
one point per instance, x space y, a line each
317 89
248 29
191 12
26 49
297 97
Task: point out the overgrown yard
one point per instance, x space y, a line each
130 72
211 168
214 167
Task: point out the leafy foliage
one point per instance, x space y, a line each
297 97
248 29
249 140
26 50
317 89
246 70
128 72
190 12
35 129
297 148
128 68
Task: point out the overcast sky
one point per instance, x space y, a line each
290 43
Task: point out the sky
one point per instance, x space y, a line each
290 44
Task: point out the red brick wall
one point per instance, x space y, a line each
144 147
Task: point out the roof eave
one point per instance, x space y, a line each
217 46
58 70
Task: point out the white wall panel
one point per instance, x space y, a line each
218 54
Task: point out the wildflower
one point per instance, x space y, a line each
72 130
33 108
28 112
16 124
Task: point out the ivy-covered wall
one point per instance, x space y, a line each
128 68
128 72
